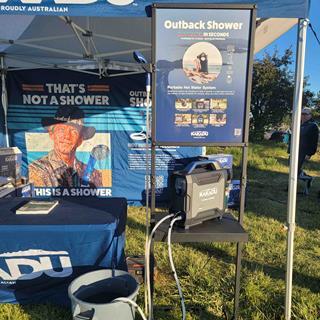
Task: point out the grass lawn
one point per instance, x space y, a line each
206 270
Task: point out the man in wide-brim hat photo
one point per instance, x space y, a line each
60 167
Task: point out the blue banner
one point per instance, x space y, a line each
124 8
85 136
201 74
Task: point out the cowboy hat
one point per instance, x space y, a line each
72 116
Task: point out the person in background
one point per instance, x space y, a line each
309 134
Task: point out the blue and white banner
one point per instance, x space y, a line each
124 8
84 136
41 255
201 74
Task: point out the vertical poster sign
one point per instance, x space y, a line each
202 56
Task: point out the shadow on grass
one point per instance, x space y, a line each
308 164
301 280
267 196
47 312
132 223
196 311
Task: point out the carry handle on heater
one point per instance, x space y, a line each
198 164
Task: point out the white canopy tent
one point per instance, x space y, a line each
84 43
78 43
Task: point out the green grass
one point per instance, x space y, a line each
206 270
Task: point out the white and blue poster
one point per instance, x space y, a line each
201 58
82 136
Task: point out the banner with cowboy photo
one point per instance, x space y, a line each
84 136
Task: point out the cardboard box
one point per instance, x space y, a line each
21 191
234 194
136 267
10 163
24 190
225 160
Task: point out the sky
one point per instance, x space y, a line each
312 62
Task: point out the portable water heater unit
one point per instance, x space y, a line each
199 192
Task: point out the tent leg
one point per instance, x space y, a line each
4 99
293 171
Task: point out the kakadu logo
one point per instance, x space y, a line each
114 2
199 134
31 264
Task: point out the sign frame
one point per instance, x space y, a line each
252 26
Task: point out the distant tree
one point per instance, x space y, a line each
316 101
272 93
308 99
316 106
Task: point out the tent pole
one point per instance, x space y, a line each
4 99
294 155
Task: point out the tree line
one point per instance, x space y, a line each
272 94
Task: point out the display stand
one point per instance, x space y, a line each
228 229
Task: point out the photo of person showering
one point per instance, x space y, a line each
202 62
183 104
201 104
219 104
61 167
182 119
200 119
218 119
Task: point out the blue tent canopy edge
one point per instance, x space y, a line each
123 8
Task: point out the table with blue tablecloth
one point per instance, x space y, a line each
41 254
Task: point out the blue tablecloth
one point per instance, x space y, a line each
41 254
